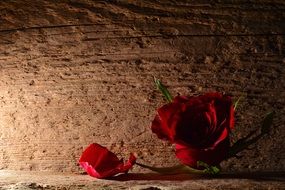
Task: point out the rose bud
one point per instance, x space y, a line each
99 162
198 126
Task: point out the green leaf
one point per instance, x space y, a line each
252 137
163 90
237 102
212 170
267 122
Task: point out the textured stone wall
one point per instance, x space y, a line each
77 72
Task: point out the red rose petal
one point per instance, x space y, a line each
165 122
224 134
189 156
158 129
99 162
180 99
232 120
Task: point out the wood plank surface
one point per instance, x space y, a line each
77 72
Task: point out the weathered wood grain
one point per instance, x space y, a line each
77 72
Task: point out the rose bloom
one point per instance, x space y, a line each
198 126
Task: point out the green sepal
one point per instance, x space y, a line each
237 102
212 170
163 90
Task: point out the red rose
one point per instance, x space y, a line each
199 126
99 162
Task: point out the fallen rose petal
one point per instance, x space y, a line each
99 162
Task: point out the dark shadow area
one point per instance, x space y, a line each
269 175
258 176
